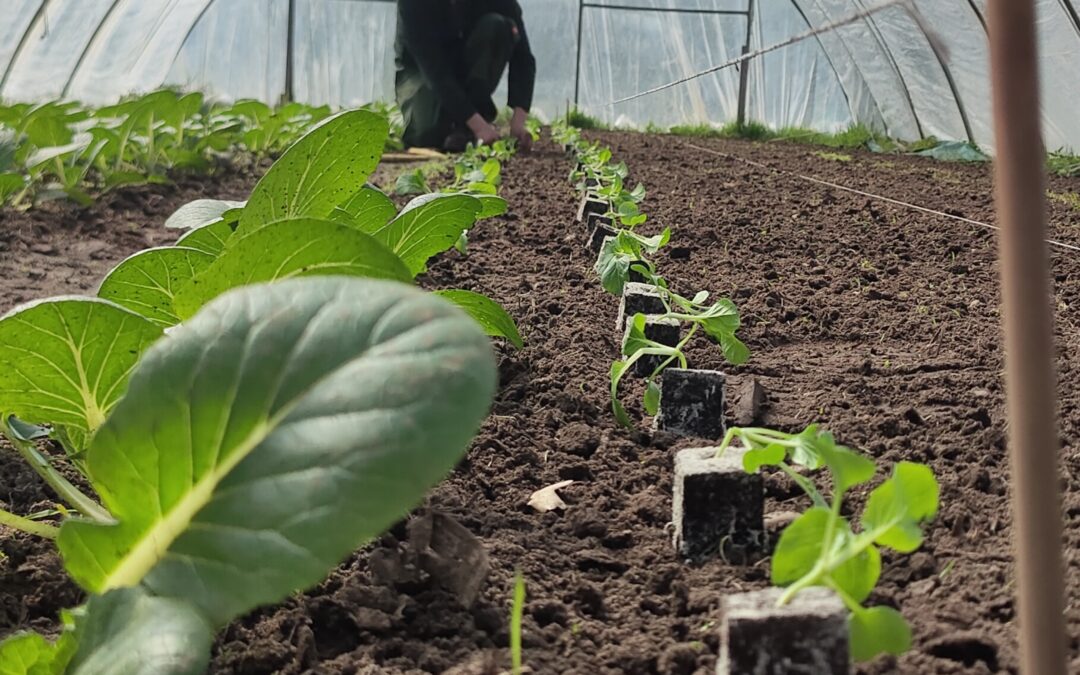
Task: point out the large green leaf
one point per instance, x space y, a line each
367 210
200 212
132 632
146 282
291 248
209 238
273 433
319 172
66 360
491 316
799 546
896 508
428 225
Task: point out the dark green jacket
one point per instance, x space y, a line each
430 39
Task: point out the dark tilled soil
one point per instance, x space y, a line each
876 320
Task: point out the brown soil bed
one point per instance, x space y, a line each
875 320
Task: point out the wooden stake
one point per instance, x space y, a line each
1029 342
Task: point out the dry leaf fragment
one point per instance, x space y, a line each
546 499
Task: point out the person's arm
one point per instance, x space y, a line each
522 80
423 41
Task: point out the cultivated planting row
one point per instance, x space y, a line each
63 149
824 566
241 437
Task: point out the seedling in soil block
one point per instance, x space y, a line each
626 258
718 508
692 403
822 548
807 635
639 299
719 321
657 330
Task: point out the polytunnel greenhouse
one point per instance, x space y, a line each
539 336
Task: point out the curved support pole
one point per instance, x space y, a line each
89 46
38 16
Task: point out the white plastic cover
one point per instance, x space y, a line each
880 71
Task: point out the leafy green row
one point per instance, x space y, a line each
63 149
822 548
627 253
227 452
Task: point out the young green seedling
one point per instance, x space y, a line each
823 548
719 320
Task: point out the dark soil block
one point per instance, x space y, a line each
665 331
600 228
591 204
808 635
638 298
718 508
692 403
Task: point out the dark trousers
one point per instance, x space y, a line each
487 50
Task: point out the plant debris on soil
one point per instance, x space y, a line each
879 322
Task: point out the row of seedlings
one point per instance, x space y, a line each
241 439
822 568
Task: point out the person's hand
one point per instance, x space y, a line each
485 132
518 130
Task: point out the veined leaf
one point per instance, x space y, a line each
491 316
275 432
290 248
428 225
367 210
66 361
200 212
209 238
319 172
146 282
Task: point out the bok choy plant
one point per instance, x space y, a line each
822 547
311 214
258 444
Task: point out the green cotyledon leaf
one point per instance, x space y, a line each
319 172
65 361
273 433
286 249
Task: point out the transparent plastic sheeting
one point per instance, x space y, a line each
879 71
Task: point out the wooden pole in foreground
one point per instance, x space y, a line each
1029 341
